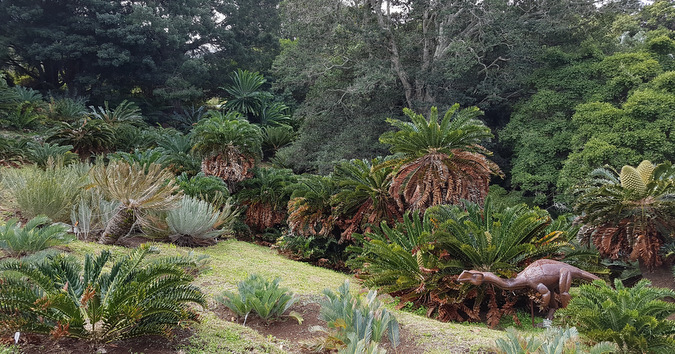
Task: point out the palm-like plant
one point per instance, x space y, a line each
364 196
634 318
197 222
229 146
36 235
177 151
632 213
276 137
61 297
40 154
310 211
125 112
138 190
87 136
440 162
493 237
266 195
244 91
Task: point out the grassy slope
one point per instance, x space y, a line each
231 261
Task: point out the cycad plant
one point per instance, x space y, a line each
556 341
634 318
629 214
261 296
197 222
177 151
276 137
87 136
352 319
229 147
266 196
138 190
101 300
125 112
38 234
40 154
364 198
244 92
394 259
208 188
440 161
309 210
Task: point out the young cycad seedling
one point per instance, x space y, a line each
34 236
261 296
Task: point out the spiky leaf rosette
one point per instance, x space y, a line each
229 146
138 189
629 215
634 318
267 196
364 197
102 300
441 161
309 208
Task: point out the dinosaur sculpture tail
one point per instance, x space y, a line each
587 276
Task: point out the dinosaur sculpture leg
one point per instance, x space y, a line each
564 286
545 294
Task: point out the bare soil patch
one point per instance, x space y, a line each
298 336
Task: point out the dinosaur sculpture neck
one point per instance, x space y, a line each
507 284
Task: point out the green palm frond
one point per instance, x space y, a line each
125 112
216 134
634 318
35 236
87 136
244 90
310 210
492 237
61 296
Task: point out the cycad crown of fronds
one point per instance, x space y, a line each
133 297
136 186
633 317
492 237
36 235
458 129
220 133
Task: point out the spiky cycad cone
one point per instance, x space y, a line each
441 161
229 147
364 197
99 300
309 209
138 189
634 318
266 196
625 220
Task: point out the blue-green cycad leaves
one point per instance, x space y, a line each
356 319
492 237
62 297
634 318
261 296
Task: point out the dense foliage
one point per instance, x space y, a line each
101 300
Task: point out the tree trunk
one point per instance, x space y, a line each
118 226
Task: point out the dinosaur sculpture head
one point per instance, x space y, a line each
472 276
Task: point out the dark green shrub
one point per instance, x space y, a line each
634 318
132 297
36 235
209 188
259 295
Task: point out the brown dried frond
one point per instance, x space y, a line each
646 248
304 221
231 165
260 216
609 240
438 178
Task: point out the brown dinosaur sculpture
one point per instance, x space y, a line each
544 276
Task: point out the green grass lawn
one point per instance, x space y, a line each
232 261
